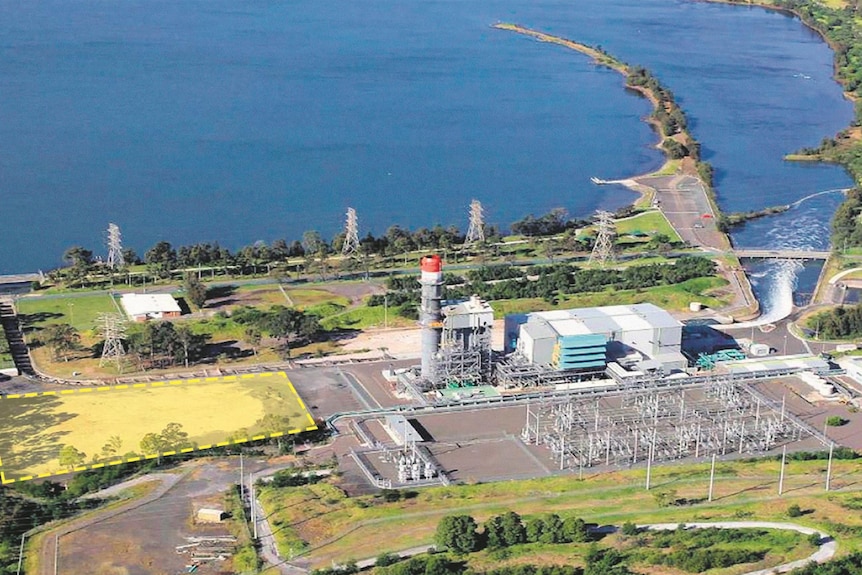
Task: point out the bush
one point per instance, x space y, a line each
835 421
385 559
629 529
814 539
794 511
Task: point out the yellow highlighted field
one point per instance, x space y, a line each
108 427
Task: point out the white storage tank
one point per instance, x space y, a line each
695 306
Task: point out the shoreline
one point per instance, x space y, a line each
750 306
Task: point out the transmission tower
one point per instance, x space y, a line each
113 329
115 247
476 232
351 234
603 250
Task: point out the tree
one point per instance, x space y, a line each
514 532
195 289
161 259
112 447
173 437
70 457
253 337
575 530
152 444
192 344
553 532
61 338
78 257
386 559
457 533
535 528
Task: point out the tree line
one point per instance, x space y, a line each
839 323
163 259
547 281
461 534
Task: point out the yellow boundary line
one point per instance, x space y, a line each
140 386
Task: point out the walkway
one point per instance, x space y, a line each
12 329
781 254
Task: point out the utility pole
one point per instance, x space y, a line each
21 553
649 464
253 509
241 480
781 475
711 478
829 467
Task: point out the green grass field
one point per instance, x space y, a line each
214 412
651 222
79 311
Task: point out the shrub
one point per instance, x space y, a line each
794 511
835 421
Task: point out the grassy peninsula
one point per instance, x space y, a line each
681 149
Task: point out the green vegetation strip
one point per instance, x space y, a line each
321 522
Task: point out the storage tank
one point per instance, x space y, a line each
695 306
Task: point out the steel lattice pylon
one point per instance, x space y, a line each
476 231
115 247
603 250
113 329
351 234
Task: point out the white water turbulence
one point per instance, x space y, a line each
805 226
779 283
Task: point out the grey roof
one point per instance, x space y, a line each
607 319
538 328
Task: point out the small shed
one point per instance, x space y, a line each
143 307
210 515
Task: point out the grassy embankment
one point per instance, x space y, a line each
325 525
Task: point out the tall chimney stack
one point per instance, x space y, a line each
430 317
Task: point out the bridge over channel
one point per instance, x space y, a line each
781 254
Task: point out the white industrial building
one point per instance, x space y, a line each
641 336
143 307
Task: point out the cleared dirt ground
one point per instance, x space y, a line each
142 541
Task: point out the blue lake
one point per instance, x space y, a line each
209 120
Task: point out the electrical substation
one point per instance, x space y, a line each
575 391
